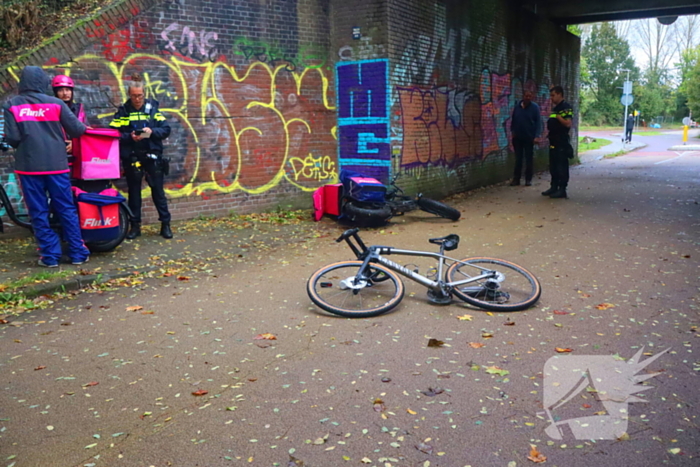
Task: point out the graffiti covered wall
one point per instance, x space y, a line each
247 88
269 99
456 75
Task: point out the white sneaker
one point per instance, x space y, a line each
78 263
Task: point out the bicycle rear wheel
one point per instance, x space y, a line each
337 289
512 288
109 245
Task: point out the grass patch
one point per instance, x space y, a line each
648 133
597 144
621 152
38 278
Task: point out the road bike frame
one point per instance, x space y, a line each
374 254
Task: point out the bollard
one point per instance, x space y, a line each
685 134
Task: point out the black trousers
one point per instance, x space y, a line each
135 167
628 134
523 153
559 166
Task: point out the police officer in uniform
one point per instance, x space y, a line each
143 129
560 150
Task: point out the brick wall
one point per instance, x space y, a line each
247 86
457 70
424 88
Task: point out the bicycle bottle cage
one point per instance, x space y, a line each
353 233
451 242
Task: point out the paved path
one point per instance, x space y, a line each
98 381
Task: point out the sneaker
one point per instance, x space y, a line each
47 265
549 192
79 262
515 183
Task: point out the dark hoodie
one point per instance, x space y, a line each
34 124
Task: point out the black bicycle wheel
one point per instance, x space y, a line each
109 245
366 215
438 208
512 288
337 289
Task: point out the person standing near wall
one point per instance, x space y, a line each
560 150
143 129
525 125
628 128
34 125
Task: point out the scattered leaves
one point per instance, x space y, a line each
563 349
90 384
560 312
465 317
435 343
509 323
412 412
134 308
200 392
40 367
486 335
624 437
476 345
604 306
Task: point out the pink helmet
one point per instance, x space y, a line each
62 81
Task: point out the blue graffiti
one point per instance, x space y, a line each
363 117
13 193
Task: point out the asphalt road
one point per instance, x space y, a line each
182 381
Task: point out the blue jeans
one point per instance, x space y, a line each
57 186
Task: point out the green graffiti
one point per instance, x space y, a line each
251 49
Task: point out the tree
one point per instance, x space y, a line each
691 86
607 55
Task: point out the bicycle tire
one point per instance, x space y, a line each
438 208
329 283
367 215
109 245
516 290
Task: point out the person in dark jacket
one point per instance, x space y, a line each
34 125
560 150
629 125
143 129
525 126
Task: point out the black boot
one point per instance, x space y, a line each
165 231
515 182
551 190
560 193
134 231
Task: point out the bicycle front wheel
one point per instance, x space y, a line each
340 289
510 287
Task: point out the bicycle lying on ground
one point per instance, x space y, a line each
370 286
396 203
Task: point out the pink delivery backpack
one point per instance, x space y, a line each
96 155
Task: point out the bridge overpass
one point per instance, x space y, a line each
591 11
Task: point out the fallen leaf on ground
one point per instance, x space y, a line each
39 368
200 392
265 336
293 462
378 405
183 278
465 317
494 370
90 384
433 392
604 306
559 312
476 345
486 335
509 323
134 308
149 312
412 412
425 448
536 456
563 350
435 343
3 321
624 437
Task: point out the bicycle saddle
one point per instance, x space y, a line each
450 242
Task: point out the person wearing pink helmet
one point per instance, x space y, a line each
63 87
